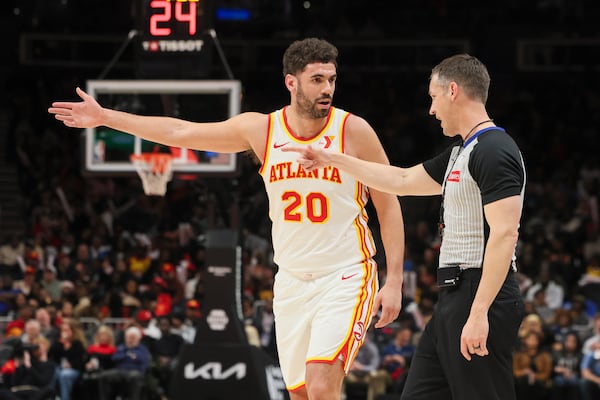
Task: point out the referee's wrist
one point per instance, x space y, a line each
479 310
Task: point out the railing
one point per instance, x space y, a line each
89 325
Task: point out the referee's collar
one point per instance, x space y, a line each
482 131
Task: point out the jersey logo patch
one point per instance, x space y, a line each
454 176
344 277
326 141
278 145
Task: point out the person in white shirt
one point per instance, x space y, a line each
553 291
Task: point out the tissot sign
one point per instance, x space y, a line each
174 40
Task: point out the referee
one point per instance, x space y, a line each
465 352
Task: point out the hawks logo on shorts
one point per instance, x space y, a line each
359 330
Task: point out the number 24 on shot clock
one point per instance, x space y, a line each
173 25
189 17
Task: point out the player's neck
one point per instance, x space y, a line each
303 126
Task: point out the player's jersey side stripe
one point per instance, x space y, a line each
353 345
343 133
267 143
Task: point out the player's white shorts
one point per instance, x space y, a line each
322 319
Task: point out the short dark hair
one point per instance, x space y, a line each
303 52
468 72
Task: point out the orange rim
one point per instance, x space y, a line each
159 162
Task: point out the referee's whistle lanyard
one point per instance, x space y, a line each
453 157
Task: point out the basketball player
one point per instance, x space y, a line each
326 288
465 351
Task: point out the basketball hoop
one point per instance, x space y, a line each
155 170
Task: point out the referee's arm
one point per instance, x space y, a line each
503 218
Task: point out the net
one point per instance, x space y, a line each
155 170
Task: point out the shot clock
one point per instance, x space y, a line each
174 39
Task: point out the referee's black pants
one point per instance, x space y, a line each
438 369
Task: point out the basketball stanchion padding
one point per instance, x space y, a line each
155 170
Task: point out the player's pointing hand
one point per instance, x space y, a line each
83 114
310 158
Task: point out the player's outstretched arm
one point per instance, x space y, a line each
226 136
413 181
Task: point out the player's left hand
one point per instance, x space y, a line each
389 299
473 339
83 114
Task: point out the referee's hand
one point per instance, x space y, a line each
473 340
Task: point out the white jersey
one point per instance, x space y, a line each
319 217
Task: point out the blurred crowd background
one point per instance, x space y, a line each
95 261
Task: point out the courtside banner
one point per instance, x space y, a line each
225 372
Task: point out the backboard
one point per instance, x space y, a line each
108 151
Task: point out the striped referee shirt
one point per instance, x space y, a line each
486 168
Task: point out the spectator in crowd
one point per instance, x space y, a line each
130 297
70 355
582 322
147 323
34 377
139 262
32 331
590 374
100 352
7 294
396 357
194 278
534 323
590 281
532 368
131 361
10 251
553 291
595 338
51 283
166 351
193 314
562 325
27 284
174 286
47 328
178 326
566 362
184 322
540 306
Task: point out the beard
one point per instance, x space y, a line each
308 107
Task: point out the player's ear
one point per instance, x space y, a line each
291 82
